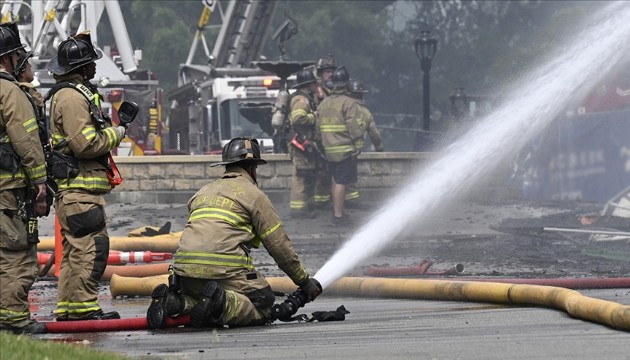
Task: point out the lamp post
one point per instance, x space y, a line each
425 46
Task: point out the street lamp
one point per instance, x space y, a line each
425 46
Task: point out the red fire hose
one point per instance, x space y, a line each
122 257
110 325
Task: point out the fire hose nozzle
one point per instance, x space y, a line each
286 309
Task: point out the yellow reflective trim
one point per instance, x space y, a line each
7 175
231 305
13 316
270 231
202 258
333 128
36 172
66 307
339 149
218 213
80 182
89 132
298 113
321 198
30 125
111 137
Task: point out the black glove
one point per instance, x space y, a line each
311 288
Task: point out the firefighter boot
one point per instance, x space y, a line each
164 302
208 311
94 315
33 327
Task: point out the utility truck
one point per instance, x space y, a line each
235 93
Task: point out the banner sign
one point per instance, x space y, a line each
581 158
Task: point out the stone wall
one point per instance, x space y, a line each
191 172
175 178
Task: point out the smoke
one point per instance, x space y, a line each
534 102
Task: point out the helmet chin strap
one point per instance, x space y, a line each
251 170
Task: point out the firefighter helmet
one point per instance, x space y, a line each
340 77
241 150
23 57
356 87
73 53
326 63
304 77
9 38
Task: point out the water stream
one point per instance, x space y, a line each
534 102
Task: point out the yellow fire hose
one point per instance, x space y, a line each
159 243
573 302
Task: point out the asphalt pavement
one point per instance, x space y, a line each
377 328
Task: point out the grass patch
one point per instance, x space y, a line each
21 347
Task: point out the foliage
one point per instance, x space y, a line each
482 44
20 347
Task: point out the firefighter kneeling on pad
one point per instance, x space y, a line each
213 277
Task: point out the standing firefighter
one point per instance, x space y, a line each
342 139
324 69
83 138
307 161
367 124
214 277
22 190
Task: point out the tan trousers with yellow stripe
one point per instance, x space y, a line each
85 252
248 301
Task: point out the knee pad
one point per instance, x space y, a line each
88 222
102 253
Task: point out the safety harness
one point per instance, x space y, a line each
107 161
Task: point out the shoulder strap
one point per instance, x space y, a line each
7 76
84 90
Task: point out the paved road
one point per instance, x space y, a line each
381 328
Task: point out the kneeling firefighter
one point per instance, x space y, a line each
82 138
213 277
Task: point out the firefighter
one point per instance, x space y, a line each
366 121
83 138
307 161
324 70
342 139
214 278
22 182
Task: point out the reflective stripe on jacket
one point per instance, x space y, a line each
71 121
227 218
338 126
18 127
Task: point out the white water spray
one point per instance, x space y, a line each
540 98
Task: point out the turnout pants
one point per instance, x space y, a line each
248 301
85 252
18 266
310 182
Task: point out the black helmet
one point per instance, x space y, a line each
356 87
326 63
73 53
305 77
241 149
23 57
340 77
9 38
